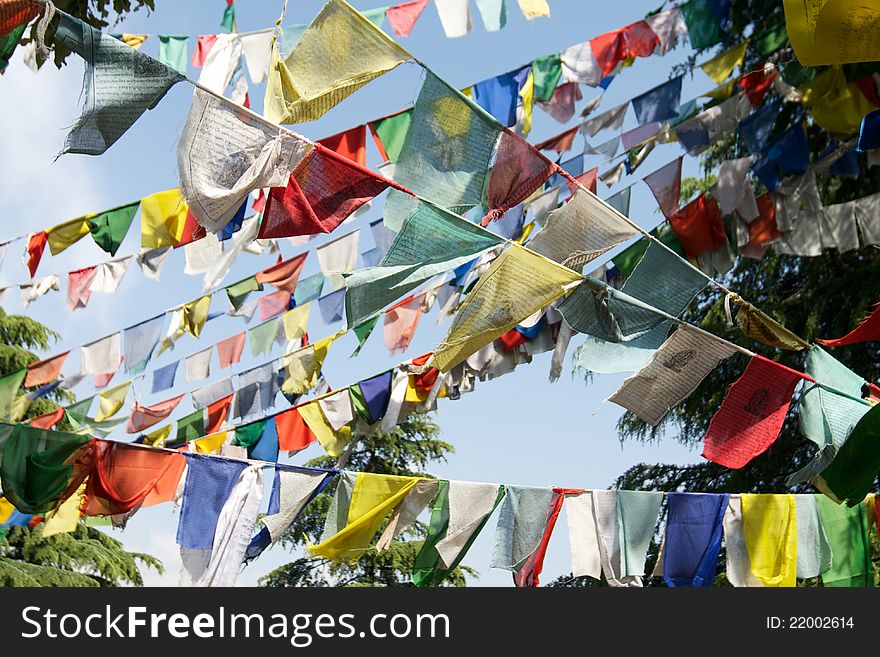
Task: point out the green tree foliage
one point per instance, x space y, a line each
407 450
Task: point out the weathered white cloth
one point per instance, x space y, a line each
407 511
521 523
200 256
586 557
102 356
221 62
610 120
248 233
256 48
469 504
198 366
35 289
339 255
543 204
455 17
580 65
212 392
733 190
608 531
108 275
739 566
868 218
337 409
152 261
295 488
837 227
668 25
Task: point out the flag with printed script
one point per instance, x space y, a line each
226 152
352 52
431 241
751 414
121 83
838 32
516 285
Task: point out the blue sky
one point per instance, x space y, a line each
519 429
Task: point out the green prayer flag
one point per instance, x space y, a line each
262 336
626 260
362 331
238 292
308 289
546 72
8 44
795 74
190 427
392 133
704 28
359 403
109 228
847 531
851 474
249 434
772 40
228 22
9 387
78 411
172 52
37 467
427 569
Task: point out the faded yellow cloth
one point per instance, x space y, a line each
134 40
373 497
210 444
761 327
526 231
65 518
722 91
332 441
770 526
534 8
351 51
163 217
519 283
110 401
194 315
826 32
303 366
70 232
835 105
19 408
295 322
527 96
157 438
721 65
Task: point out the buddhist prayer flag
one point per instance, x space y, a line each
455 17
229 350
334 441
121 83
63 235
172 52
699 227
609 50
144 417
693 538
660 103
45 371
109 228
402 18
389 134
203 47
665 184
194 315
370 397
35 246
721 65
868 330
847 532
770 525
294 434
163 217
840 32
751 414
9 387
499 96
706 21
351 144
851 474
352 50
668 25
401 321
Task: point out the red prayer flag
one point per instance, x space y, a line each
229 350
351 144
868 330
868 86
751 414
103 380
763 229
144 417
15 12
79 287
284 274
518 171
324 189
426 380
192 231
528 575
560 143
587 179
609 49
641 40
294 434
403 17
217 414
756 85
512 339
48 420
259 203
44 371
699 226
203 46
35 247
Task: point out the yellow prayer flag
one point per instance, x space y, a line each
468 92
721 65
65 518
372 499
19 408
770 526
519 283
351 51
163 217
134 40
210 444
527 96
157 438
110 401
532 9
835 105
332 441
70 232
295 322
823 32
6 510
526 231
722 91
194 315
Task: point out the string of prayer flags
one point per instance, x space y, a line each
770 526
372 498
752 413
671 375
851 474
867 330
430 241
721 66
321 193
402 18
296 91
692 540
832 32
225 153
580 231
847 531
121 83
665 185
699 226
